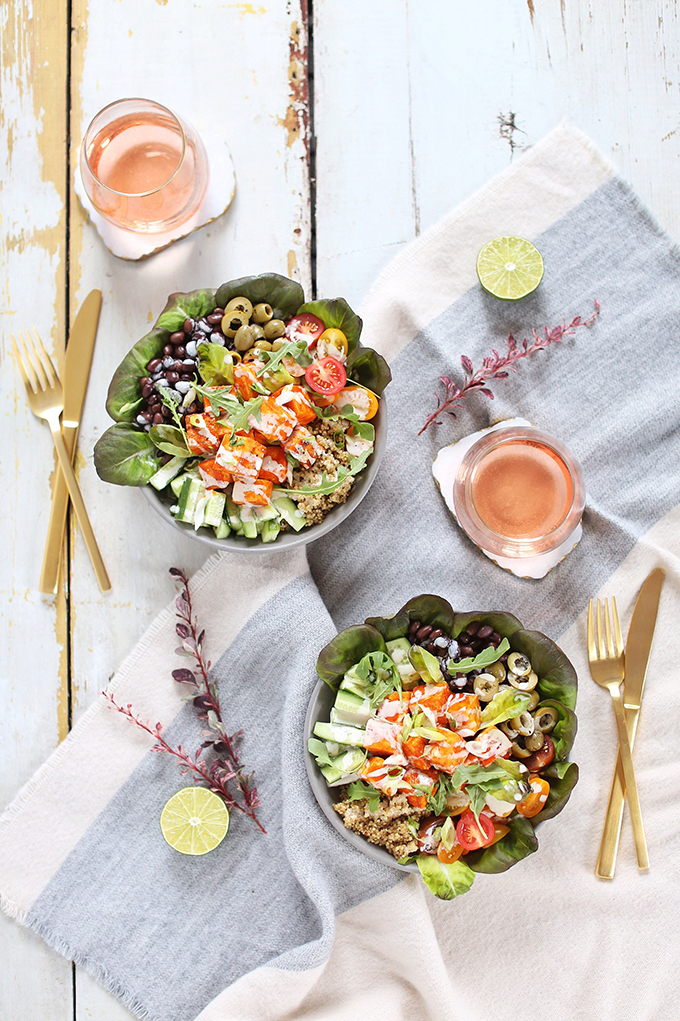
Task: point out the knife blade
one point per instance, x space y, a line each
77 362
638 648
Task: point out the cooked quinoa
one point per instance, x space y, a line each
331 436
388 826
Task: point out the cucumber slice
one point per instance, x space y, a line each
222 530
341 734
270 530
288 510
168 472
192 490
214 508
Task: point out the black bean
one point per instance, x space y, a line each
166 413
219 312
424 632
485 631
432 648
472 627
466 650
147 389
437 633
144 380
168 349
158 419
172 376
186 376
176 366
177 338
413 627
191 410
180 350
154 364
146 415
496 638
215 318
441 641
188 325
454 648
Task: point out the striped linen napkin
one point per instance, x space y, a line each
297 923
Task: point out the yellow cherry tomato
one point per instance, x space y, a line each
532 804
363 400
332 342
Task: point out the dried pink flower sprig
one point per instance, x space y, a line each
496 366
216 763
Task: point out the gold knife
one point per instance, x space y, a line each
77 362
638 647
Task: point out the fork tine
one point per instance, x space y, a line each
608 631
46 362
601 648
592 648
34 361
617 629
26 375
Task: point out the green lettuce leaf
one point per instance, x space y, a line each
367 367
515 845
125 391
504 623
445 881
125 456
215 364
345 650
426 664
504 706
335 312
179 307
284 295
562 777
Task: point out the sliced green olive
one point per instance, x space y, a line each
274 329
519 751
535 699
240 304
262 313
546 719
277 345
523 724
244 338
485 687
509 730
498 670
262 345
258 332
534 742
233 321
519 664
523 682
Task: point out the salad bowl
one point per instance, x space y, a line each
250 419
540 781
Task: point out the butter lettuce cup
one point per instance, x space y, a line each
438 741
250 418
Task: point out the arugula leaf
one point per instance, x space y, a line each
485 658
296 349
170 440
240 419
320 752
237 412
322 488
358 790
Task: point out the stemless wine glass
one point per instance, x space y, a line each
143 168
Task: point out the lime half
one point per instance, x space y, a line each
509 268
194 821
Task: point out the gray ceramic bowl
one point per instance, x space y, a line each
161 503
319 708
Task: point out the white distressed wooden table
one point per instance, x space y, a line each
353 127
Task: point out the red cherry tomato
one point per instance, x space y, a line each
542 757
327 376
472 835
305 326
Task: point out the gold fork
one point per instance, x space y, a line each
606 660
46 401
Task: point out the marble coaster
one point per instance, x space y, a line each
127 244
445 468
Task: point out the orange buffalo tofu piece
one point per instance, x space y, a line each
245 374
430 696
420 778
303 446
274 464
448 753
204 433
381 737
395 707
298 400
241 455
464 711
254 492
382 775
273 423
413 748
213 475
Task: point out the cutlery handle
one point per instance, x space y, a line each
606 859
629 778
49 577
79 506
